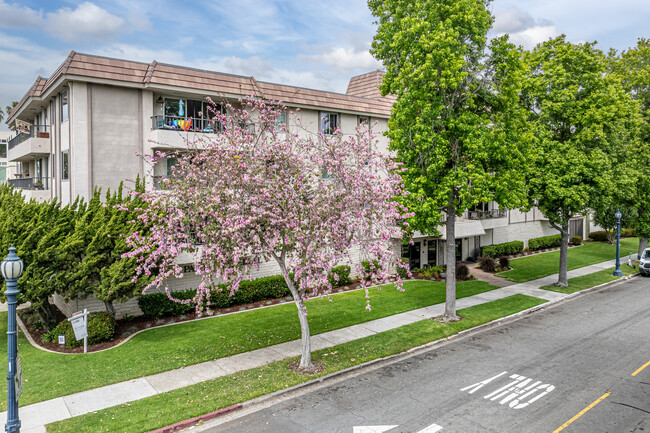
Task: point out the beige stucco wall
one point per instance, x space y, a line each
116 135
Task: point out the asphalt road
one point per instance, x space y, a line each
574 354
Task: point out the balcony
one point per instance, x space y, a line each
30 183
172 132
489 219
486 214
27 145
33 188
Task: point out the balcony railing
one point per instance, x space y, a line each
30 183
486 214
39 131
194 124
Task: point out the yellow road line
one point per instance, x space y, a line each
642 367
582 412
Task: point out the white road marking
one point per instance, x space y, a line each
373 428
479 385
433 428
514 392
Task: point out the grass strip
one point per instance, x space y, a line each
591 280
49 375
174 406
541 265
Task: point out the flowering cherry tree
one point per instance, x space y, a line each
259 192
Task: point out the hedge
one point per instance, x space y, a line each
535 244
101 327
599 236
157 305
260 289
504 249
343 274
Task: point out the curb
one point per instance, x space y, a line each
192 421
380 362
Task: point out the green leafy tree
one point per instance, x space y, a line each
582 120
456 123
604 209
43 265
109 275
632 67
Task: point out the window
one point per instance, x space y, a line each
64 106
281 120
3 148
329 123
65 169
171 162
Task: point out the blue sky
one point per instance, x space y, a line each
307 43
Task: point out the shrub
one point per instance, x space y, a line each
402 272
628 233
462 272
369 271
504 262
599 236
437 270
576 240
101 327
260 289
343 273
157 305
488 264
535 244
504 249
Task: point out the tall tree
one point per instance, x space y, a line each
632 67
582 119
257 193
456 123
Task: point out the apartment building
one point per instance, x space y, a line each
83 127
7 170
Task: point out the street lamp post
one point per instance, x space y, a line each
617 271
12 268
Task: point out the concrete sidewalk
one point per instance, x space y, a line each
35 416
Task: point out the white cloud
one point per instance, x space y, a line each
15 15
346 59
529 38
523 29
512 20
86 21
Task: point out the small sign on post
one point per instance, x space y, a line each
61 338
79 323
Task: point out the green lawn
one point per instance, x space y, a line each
587 281
541 265
49 375
168 408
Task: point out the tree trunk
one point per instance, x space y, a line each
563 280
450 281
45 313
110 308
643 244
305 358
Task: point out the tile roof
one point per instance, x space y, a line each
361 97
367 86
